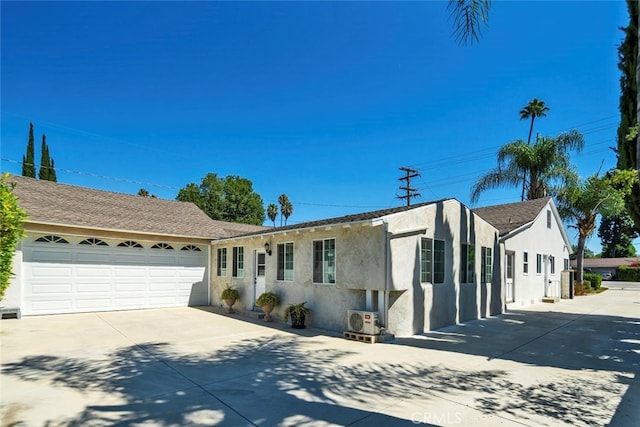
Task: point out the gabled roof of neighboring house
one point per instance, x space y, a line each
346 219
511 216
58 204
606 262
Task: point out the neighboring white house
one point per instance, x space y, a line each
91 250
420 267
534 248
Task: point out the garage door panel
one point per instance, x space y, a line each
67 278
90 287
47 271
162 260
51 256
94 304
52 288
134 259
94 257
130 301
130 287
51 306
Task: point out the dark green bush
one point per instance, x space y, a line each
594 279
629 274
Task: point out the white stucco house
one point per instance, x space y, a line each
91 250
534 249
417 267
420 267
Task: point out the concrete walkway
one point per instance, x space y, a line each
572 363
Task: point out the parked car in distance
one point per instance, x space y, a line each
606 275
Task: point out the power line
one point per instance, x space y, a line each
410 192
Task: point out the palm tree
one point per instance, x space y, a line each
286 208
272 213
546 163
468 17
532 110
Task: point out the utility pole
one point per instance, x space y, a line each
409 191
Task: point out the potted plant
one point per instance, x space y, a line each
229 296
267 301
297 312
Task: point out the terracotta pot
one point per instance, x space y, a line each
230 303
267 313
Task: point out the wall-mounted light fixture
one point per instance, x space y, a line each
267 248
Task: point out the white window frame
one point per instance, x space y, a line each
430 260
221 269
328 277
486 264
525 263
285 258
237 268
538 264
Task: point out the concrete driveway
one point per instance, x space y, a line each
575 363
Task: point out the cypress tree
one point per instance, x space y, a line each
28 160
628 104
47 169
45 161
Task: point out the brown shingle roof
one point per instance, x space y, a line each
343 219
511 216
53 203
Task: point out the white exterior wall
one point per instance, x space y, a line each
537 239
360 265
13 294
425 306
363 267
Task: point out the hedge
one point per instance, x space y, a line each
595 280
629 274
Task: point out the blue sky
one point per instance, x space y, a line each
323 101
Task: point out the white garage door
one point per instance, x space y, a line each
63 274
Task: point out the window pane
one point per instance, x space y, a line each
288 262
426 258
317 261
280 254
329 261
438 261
471 264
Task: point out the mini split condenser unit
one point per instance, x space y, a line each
364 322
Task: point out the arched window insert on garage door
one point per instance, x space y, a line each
129 244
191 248
162 246
51 239
93 242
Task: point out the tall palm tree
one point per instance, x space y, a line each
546 163
286 208
532 110
272 213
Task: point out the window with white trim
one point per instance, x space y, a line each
191 248
324 261
431 260
468 263
237 267
222 262
548 219
525 262
486 266
552 264
285 261
538 263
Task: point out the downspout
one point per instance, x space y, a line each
387 271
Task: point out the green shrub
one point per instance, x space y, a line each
629 274
594 279
268 298
12 218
